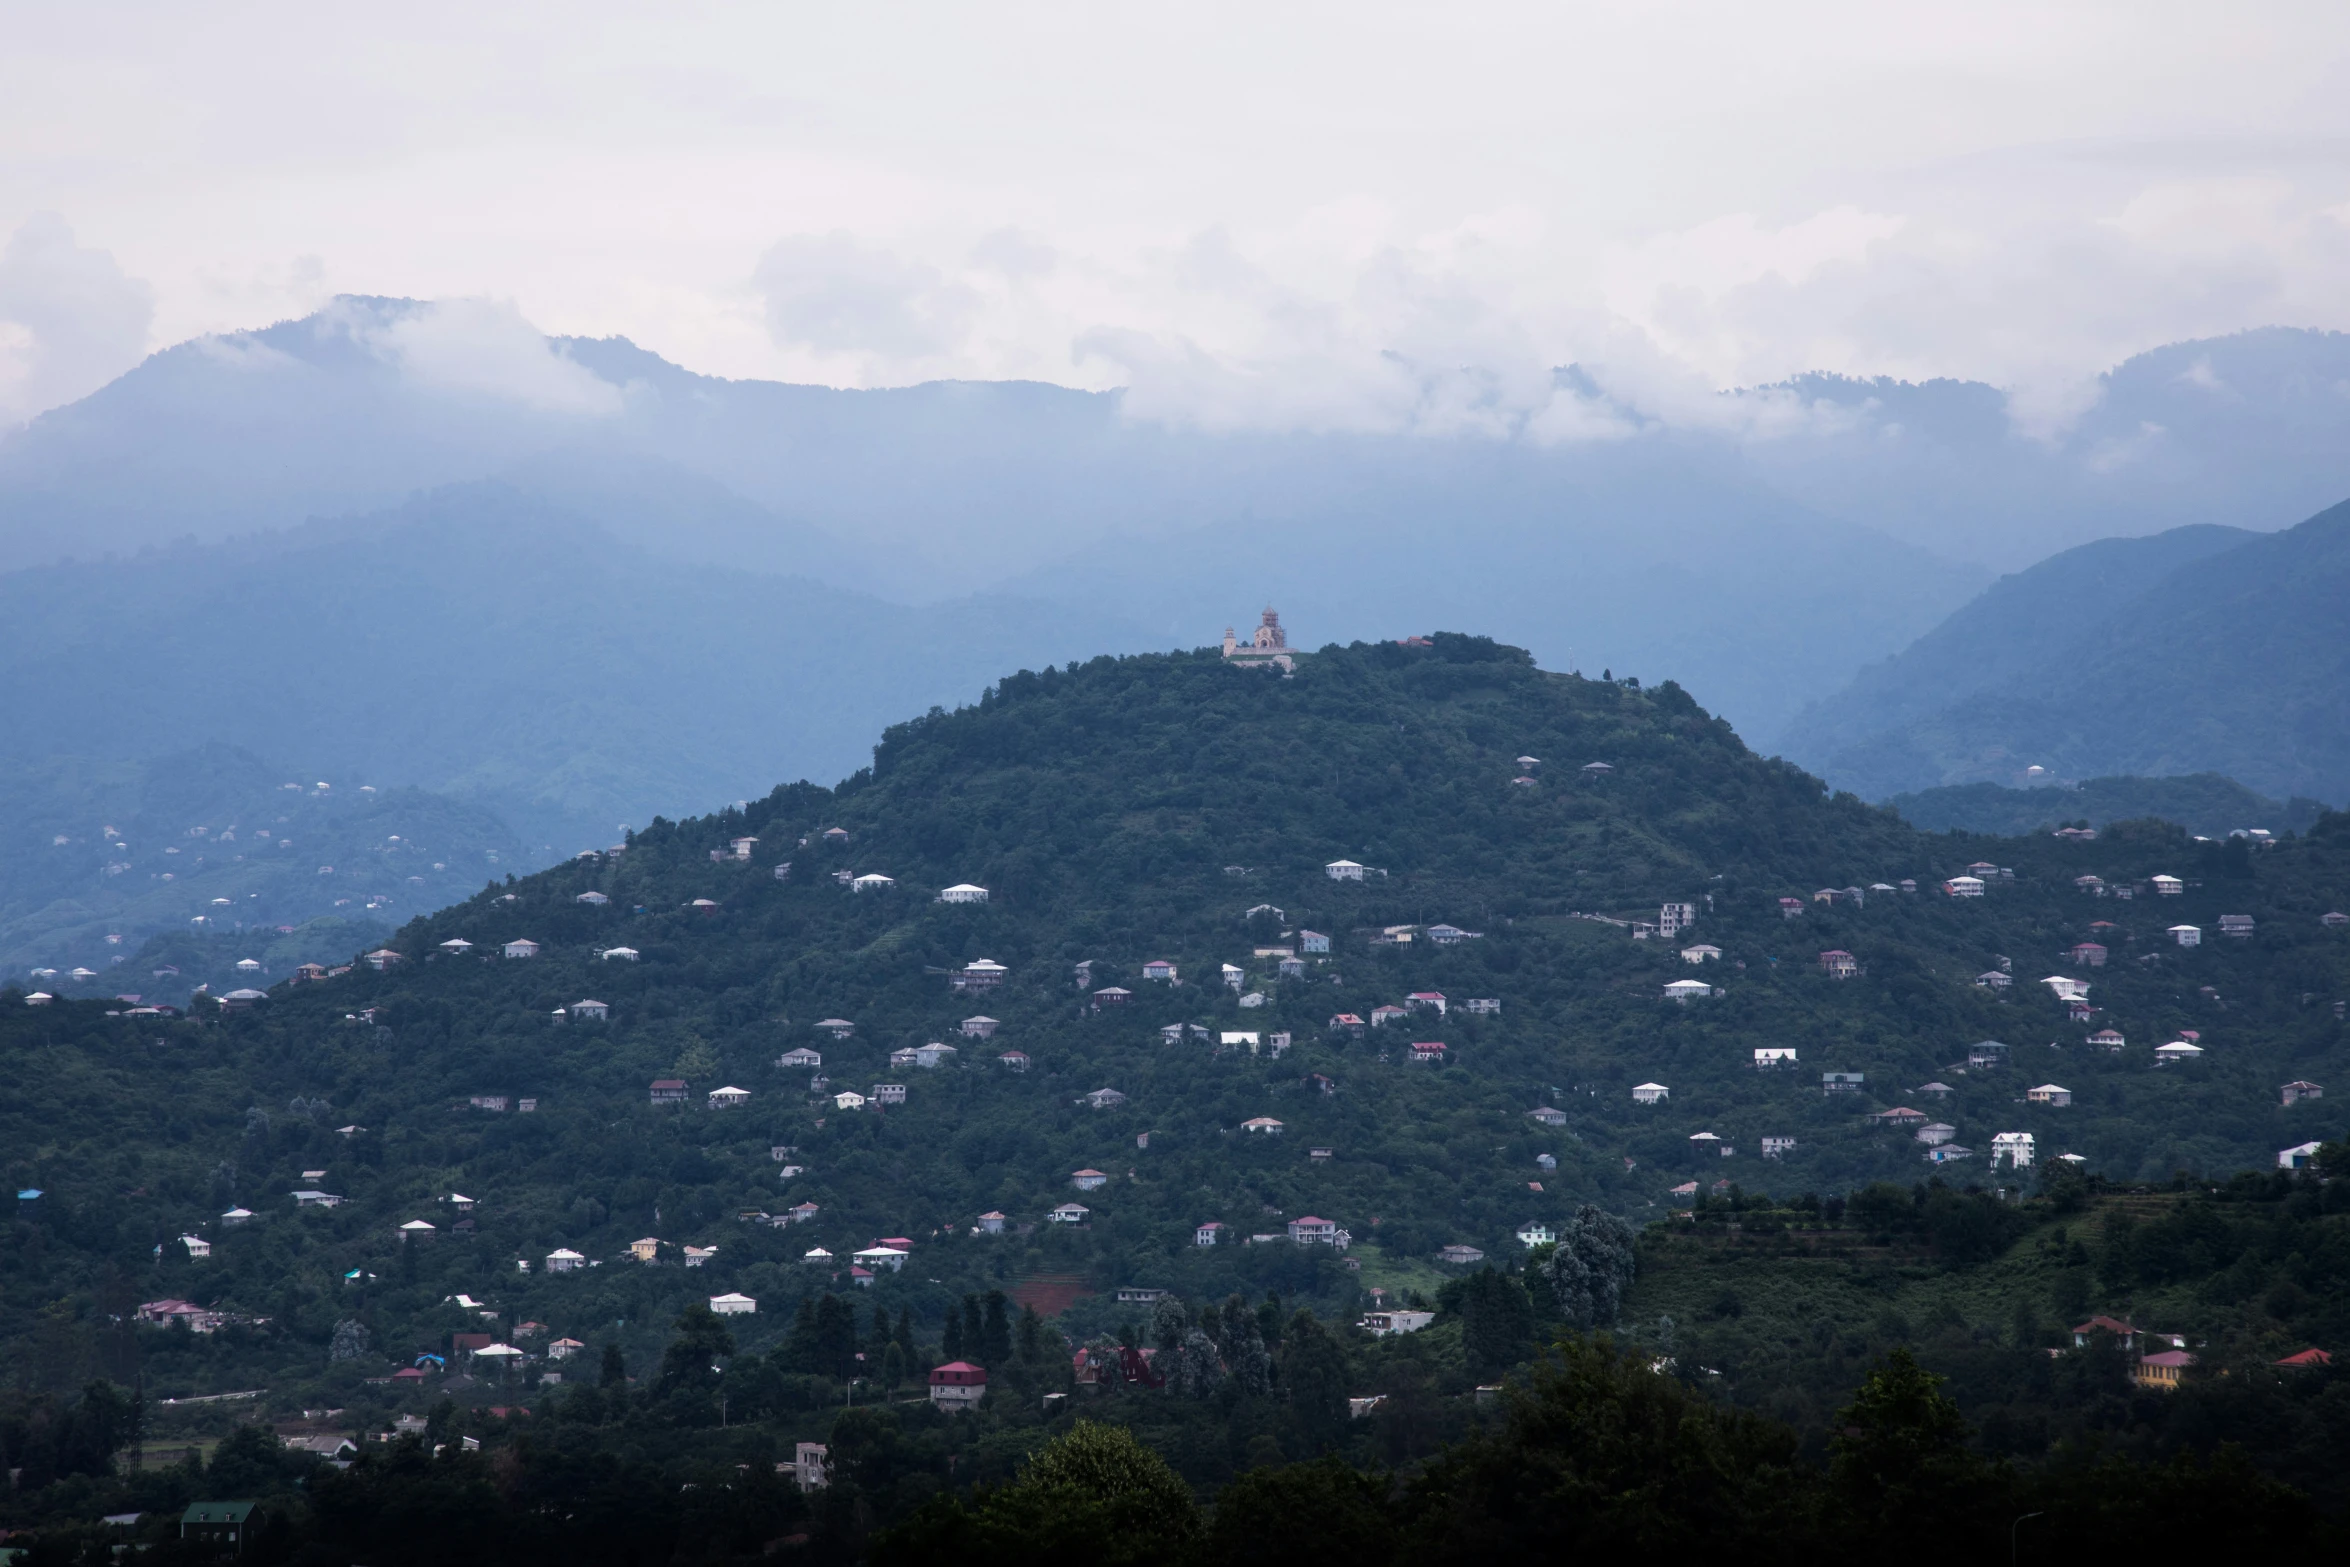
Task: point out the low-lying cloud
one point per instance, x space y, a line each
70 318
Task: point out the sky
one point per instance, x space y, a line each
1355 216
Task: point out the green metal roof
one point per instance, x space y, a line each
218 1512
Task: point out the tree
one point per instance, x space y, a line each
1314 1372
702 1338
1243 1342
1319 1511
1094 1496
995 1332
1497 1321
614 1373
1900 1458
1591 1267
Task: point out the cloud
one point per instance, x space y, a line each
840 296
70 319
485 348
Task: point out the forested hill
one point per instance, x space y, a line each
1174 809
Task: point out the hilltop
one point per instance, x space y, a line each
1514 830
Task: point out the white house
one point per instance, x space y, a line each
979 1027
457 946
522 949
1770 1056
1964 886
1703 952
1686 990
1535 1233
733 1305
417 1230
564 1260
800 1057
2298 1158
2187 935
1777 1147
1650 1094
1089 1180
1379 1324
618 954
729 1098
1263 1125
200 1247
2295 1092
1343 870
1160 969
2017 1148
237 1216
963 892
887 1094
2167 886
1069 1213
848 1099
2176 1050
871 881
1207 1234
883 1257
589 1011
1548 1115
2046 1094
933 1056
593 899
2065 989
1935 1133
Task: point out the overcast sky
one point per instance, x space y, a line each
1300 214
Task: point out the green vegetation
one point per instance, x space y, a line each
1178 808
2203 803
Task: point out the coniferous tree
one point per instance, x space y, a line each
995 1332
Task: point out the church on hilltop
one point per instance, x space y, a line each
1269 645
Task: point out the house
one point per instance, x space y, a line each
1597 769
315 1199
2187 935
1428 1053
1263 1125
1094 1180
979 1027
2049 1094
990 1223
1948 1153
1105 1099
2167 886
1140 1295
2334 919
564 1349
1687 990
931 1057
1935 1133
1901 1116
2295 1092
957 1385
618 955
1840 1082
237 1216
2089 954
1112 996
1379 1324
1159 969
733 1305
1674 918
1452 935
1964 886
1986 1053
805 1213
2237 925
589 1011
1312 941
2301 1157
1343 870
647 1249
890 1257
887 1094
2107 1039
1548 1116
2162 1372
1234 975
1650 1094
1208 1234
2017 1148
2304 1359
242 1000
2066 989
564 1260
383 958
1769 1057
871 881
836 835
1703 952
1708 1142
1321 1155
197 1246
1777 1147
1838 964
1310 1231
1535 1233
1460 1256
810 1467
522 949
848 1099
460 1202
218 1524
1347 1022
2177 1050
979 974
1994 979
592 899
803 1056
668 1090
494 1103
1291 968
1384 1015
837 1027
1790 908
695 1256
963 892
1069 1213
1013 1060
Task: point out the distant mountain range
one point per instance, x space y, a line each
2201 650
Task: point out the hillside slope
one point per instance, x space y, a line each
2237 662
1164 808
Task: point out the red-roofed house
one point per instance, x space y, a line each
957 1385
